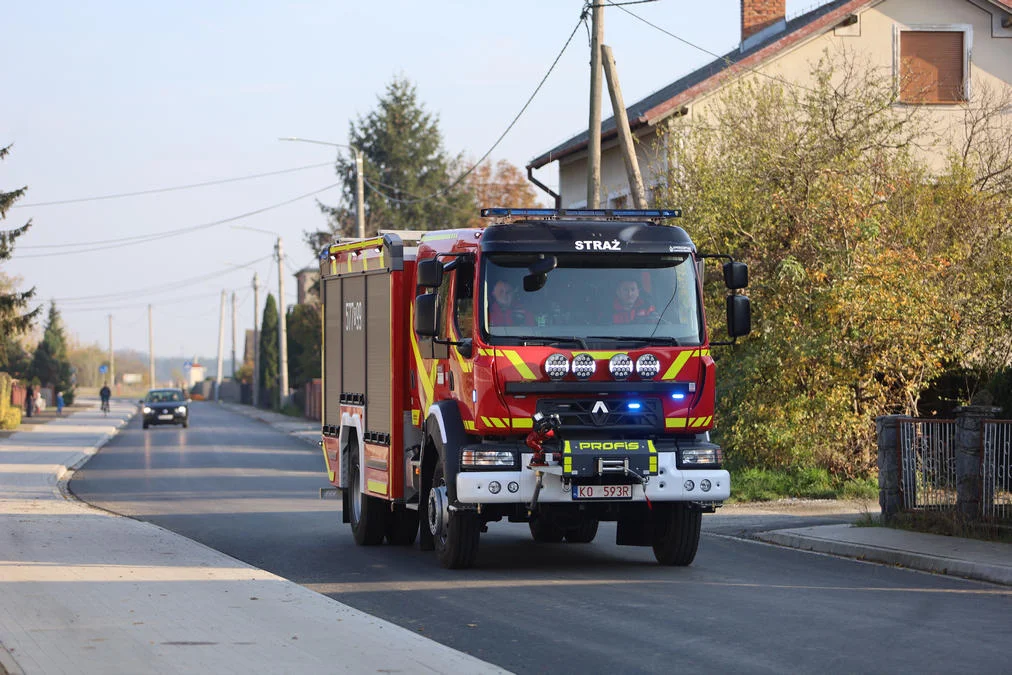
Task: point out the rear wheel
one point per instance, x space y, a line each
676 533
583 533
368 514
545 531
454 533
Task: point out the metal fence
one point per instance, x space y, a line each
997 470
927 462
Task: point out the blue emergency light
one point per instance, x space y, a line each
501 212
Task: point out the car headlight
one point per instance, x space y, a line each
647 366
181 409
584 366
556 366
620 366
147 410
701 456
487 458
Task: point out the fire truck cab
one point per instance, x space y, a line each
552 368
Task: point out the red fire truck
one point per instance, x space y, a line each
552 368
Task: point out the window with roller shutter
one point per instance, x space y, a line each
932 66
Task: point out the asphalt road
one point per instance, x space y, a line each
245 489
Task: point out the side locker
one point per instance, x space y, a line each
337 469
378 386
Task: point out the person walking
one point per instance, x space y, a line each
59 403
29 400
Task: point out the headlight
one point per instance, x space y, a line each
647 366
556 366
620 366
181 409
584 366
147 410
701 456
483 458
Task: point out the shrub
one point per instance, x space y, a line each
10 419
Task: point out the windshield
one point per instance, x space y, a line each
168 396
592 298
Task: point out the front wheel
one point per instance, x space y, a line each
368 515
676 533
454 533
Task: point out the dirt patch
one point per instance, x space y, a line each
803 507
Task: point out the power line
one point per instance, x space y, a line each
145 303
161 288
143 239
723 58
220 181
443 191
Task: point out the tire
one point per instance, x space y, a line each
583 533
402 527
186 423
455 539
145 425
676 534
368 515
545 531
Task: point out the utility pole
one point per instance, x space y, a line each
235 312
151 349
594 140
221 348
359 192
112 358
256 338
632 167
282 330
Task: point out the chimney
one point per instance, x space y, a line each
758 15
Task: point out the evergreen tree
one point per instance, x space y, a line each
50 364
269 353
13 317
304 334
411 183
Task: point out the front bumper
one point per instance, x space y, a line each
669 485
157 417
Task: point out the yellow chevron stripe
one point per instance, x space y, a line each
567 463
349 263
486 421
333 267
416 417
677 365
469 425
522 423
427 384
498 422
653 463
518 363
674 423
376 486
365 263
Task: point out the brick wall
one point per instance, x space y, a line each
758 14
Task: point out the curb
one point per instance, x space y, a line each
918 561
66 473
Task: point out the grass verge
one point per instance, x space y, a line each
763 485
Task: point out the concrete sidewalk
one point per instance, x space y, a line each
85 591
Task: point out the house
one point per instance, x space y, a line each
305 280
939 51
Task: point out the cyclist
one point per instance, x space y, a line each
105 393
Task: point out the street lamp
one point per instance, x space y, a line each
282 330
359 178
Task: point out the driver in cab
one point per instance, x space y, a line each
504 310
628 306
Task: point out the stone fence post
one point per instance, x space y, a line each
890 497
969 451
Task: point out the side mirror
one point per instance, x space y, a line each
739 316
425 313
465 348
430 273
735 275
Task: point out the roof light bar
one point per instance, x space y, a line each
499 212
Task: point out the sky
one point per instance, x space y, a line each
107 98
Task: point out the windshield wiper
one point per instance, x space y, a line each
650 340
550 340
